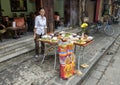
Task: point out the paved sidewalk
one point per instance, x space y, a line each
102 73
31 72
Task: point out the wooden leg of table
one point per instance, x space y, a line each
75 49
55 57
1 37
15 33
43 59
83 64
79 61
82 55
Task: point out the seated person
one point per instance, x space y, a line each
2 31
2 28
5 21
56 19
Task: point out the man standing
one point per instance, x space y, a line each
40 29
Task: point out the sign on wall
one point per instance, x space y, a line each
18 5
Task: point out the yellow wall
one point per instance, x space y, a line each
5 4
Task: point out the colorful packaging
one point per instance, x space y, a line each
67 69
67 59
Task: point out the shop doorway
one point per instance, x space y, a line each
91 10
68 11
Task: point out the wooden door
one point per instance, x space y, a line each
66 11
71 12
74 12
91 8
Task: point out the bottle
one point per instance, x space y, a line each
14 24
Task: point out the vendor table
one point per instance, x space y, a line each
82 47
65 47
66 57
48 48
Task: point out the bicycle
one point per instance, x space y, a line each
105 27
108 29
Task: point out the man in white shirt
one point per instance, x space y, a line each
40 29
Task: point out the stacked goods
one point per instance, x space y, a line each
66 42
83 40
46 38
67 59
54 40
50 38
65 37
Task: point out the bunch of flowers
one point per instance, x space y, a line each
83 27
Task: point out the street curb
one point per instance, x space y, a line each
94 63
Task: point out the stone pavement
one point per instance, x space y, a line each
111 75
31 72
106 68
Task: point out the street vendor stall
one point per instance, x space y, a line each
64 43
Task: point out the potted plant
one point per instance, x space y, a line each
83 29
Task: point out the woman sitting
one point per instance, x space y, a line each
2 31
